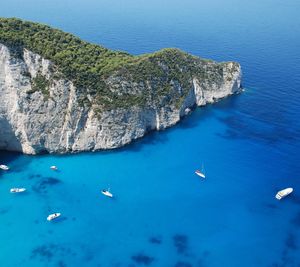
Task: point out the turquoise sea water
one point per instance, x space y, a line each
164 215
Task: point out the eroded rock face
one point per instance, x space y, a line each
54 120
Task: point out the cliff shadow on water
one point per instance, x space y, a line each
154 137
8 137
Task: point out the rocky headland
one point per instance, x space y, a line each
60 94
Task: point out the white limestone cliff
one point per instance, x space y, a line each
32 122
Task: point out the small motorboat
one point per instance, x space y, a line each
53 168
106 193
53 216
283 193
4 167
17 190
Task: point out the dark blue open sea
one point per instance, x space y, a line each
164 215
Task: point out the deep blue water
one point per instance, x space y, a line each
163 215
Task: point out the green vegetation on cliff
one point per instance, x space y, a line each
90 66
79 61
40 83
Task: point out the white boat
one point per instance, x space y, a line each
187 111
4 167
106 193
200 173
54 168
283 193
17 190
53 216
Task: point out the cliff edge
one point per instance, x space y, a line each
60 94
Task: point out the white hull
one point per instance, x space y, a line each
4 167
53 216
199 173
283 193
107 193
53 168
17 190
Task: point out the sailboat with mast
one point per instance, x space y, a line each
201 172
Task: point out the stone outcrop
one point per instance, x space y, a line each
54 120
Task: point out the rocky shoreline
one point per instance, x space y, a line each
33 122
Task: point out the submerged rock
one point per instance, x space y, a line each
142 259
155 240
181 243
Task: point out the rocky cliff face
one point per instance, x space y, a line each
53 119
